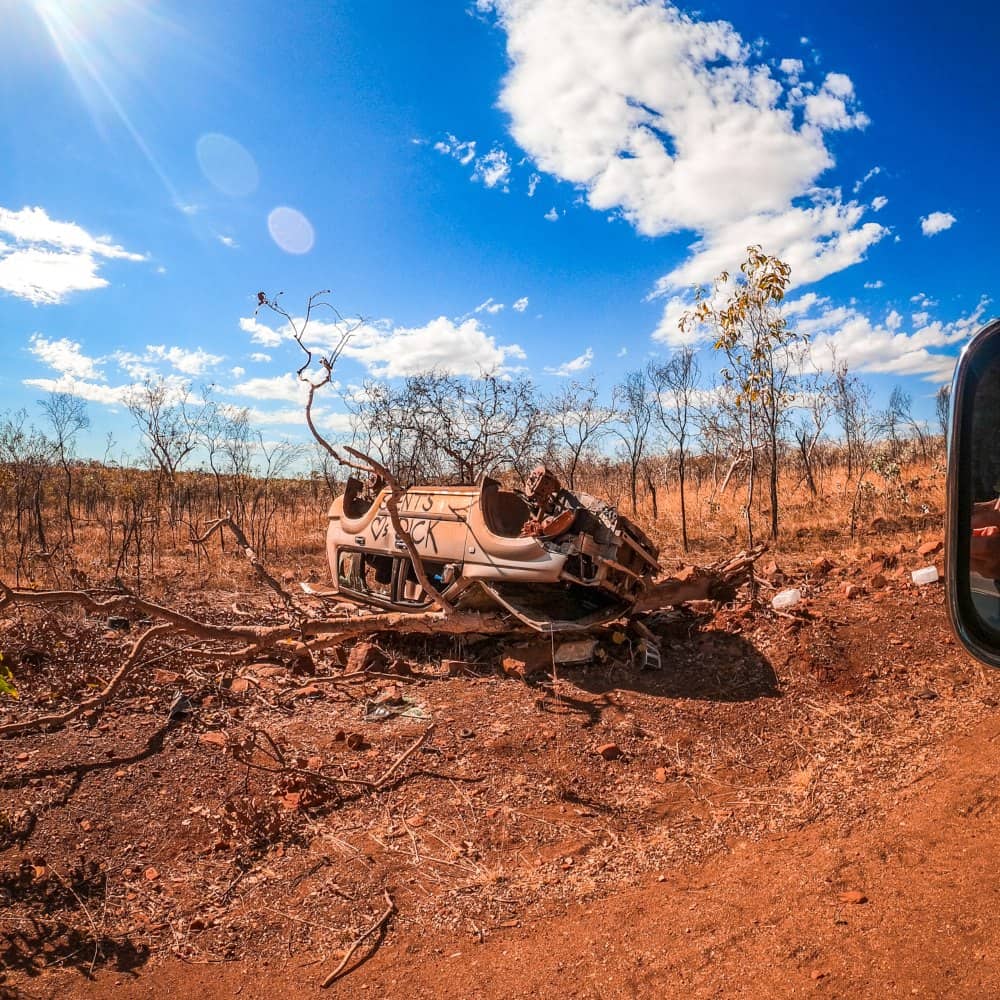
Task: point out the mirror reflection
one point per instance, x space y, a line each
984 534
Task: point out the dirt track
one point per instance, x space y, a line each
772 767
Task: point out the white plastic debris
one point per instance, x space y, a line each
581 651
928 574
786 599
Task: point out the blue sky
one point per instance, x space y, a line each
162 162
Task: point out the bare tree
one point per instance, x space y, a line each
449 428
578 422
852 406
67 416
634 415
816 406
675 393
168 420
942 407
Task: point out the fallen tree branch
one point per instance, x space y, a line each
98 700
700 583
405 756
383 920
248 550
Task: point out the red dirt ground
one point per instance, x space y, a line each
800 807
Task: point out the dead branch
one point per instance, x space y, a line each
405 756
259 568
390 909
61 718
700 583
367 463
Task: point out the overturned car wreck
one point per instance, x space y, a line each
554 559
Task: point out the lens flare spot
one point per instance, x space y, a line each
291 230
227 165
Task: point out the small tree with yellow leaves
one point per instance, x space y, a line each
749 328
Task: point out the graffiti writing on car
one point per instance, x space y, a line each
421 530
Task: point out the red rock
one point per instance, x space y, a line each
610 751
660 775
165 677
151 874
853 591
853 896
240 685
878 581
365 656
821 567
214 739
931 548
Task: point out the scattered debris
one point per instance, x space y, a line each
578 652
921 577
397 707
785 600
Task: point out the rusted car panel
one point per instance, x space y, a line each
555 559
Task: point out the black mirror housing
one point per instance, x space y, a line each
972 536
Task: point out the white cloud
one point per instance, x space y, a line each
188 362
928 349
792 68
493 169
464 152
622 352
533 184
260 357
237 372
81 375
441 344
65 356
674 123
94 392
879 202
816 241
261 333
285 387
489 306
324 418
48 260
936 222
228 241
521 304
875 284
830 107
875 171
574 366
461 347
551 215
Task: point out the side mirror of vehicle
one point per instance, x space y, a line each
972 540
